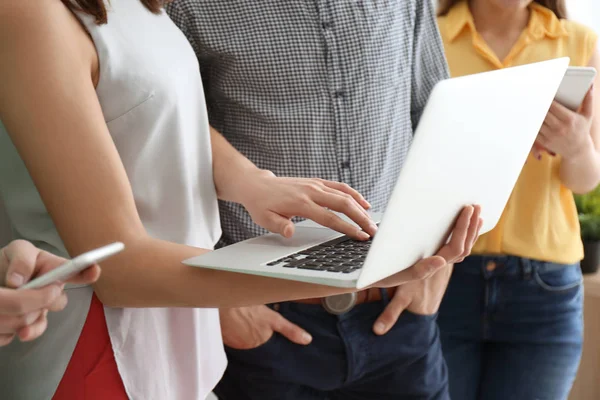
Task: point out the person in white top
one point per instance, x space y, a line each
23 312
106 138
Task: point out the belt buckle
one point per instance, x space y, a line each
339 304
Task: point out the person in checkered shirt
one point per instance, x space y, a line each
331 89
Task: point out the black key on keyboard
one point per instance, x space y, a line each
316 267
342 254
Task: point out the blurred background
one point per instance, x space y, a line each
586 11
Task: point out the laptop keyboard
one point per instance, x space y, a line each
344 255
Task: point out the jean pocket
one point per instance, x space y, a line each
560 279
418 316
258 348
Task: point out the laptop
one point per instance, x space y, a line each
472 141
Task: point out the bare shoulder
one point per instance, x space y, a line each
33 15
46 28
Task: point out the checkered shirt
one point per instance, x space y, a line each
315 88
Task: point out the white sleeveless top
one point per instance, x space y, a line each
151 95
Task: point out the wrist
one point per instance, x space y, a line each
245 184
583 151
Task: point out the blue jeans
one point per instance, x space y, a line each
345 361
512 328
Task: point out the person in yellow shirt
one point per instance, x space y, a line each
511 320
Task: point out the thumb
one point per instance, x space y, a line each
390 315
290 330
47 262
21 257
587 107
275 223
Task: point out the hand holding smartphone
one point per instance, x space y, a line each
74 266
575 86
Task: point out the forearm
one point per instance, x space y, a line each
149 273
581 173
229 168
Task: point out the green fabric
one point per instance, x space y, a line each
32 371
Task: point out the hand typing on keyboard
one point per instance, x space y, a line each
273 201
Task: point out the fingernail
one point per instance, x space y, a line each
380 328
437 263
31 318
23 337
373 226
306 338
363 235
16 279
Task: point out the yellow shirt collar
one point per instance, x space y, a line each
543 22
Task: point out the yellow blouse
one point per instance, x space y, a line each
540 219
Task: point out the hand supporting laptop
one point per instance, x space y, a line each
462 239
424 296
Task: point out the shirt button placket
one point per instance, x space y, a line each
335 87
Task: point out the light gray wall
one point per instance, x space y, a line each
595 15
586 12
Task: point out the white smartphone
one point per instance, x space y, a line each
574 86
75 266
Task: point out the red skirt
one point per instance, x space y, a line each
92 373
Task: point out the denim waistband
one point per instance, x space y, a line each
501 265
